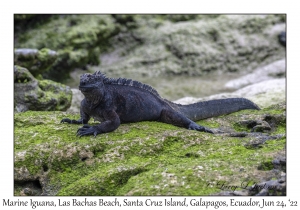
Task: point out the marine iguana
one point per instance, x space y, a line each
114 101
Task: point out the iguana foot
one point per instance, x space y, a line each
87 130
67 120
194 126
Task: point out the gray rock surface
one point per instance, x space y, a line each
264 93
77 97
268 72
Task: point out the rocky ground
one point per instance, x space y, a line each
149 158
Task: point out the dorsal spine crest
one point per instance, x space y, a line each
125 82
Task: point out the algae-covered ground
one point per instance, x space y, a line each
146 158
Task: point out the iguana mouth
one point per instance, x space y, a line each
85 88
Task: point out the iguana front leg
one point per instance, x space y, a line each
67 120
111 123
84 118
175 118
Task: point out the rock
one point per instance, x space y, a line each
270 188
268 72
77 97
255 125
155 45
77 39
39 95
262 126
262 87
145 158
259 139
232 193
260 93
280 163
267 188
274 187
282 38
36 61
226 43
275 119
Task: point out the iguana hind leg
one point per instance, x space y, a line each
177 119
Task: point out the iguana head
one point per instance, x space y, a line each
92 87
88 81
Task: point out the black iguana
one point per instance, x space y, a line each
115 101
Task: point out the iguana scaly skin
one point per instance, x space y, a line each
115 101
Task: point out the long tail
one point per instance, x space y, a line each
213 108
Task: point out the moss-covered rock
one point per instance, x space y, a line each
225 43
77 39
36 61
39 95
154 44
146 158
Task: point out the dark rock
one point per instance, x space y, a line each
259 139
261 126
263 192
255 125
30 188
270 188
282 38
266 188
266 124
248 123
241 134
280 163
275 120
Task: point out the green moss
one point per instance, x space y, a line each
209 123
21 75
146 158
36 61
49 90
266 166
32 94
44 56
